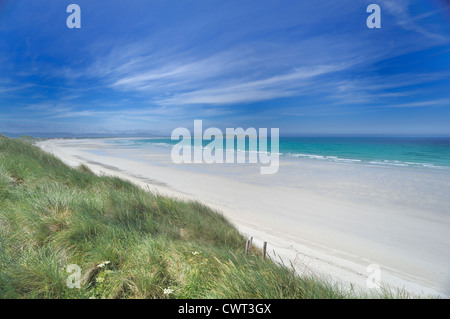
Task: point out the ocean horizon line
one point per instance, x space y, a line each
148 135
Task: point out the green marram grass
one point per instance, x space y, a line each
52 216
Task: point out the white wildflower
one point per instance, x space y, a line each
103 264
195 253
168 291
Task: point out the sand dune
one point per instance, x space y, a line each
331 219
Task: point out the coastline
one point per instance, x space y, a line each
326 229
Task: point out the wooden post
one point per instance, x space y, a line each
247 246
264 250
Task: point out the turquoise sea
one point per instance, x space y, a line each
391 151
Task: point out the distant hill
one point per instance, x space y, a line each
76 135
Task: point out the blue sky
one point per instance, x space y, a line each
306 67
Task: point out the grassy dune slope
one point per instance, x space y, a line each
52 216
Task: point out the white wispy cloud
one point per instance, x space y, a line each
428 103
400 10
391 89
237 75
277 86
12 87
173 79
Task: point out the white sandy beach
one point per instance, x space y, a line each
331 219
